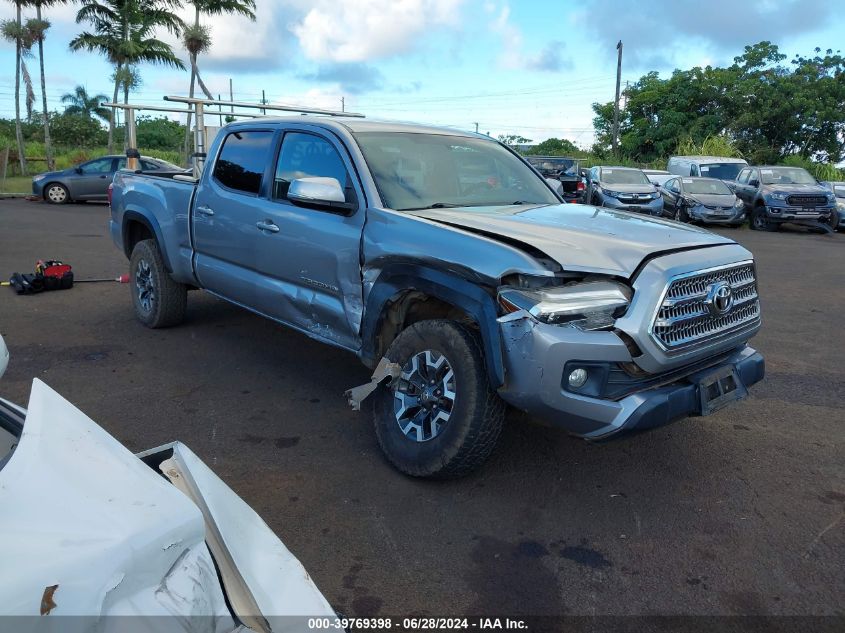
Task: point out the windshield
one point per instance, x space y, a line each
421 171
624 177
566 165
722 171
786 176
709 185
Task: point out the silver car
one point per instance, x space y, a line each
90 180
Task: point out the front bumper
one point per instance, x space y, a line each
536 355
784 213
711 216
38 187
653 207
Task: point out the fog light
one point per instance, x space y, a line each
577 378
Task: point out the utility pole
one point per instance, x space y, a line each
476 127
231 96
616 101
263 101
343 104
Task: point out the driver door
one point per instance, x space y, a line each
93 182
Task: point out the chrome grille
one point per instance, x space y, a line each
684 317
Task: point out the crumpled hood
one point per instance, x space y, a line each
579 237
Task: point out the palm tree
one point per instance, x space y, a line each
12 30
197 39
39 28
78 102
123 31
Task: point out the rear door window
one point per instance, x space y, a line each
241 162
101 166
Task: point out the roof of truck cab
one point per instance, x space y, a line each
358 124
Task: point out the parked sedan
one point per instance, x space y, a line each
706 200
623 188
90 180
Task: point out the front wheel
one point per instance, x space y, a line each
440 418
759 221
56 193
158 300
833 220
681 214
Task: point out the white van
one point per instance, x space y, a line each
706 166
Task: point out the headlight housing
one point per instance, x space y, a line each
738 204
610 192
777 196
590 305
831 197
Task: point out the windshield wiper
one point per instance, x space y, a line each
436 205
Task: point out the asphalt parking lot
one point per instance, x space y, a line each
742 512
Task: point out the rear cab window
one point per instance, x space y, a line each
242 159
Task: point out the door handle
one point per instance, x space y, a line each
267 226
205 210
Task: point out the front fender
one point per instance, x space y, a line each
396 279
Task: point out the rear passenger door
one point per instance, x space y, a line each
225 213
669 191
744 190
309 259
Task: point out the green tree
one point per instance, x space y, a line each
159 133
762 108
124 32
554 147
76 129
79 102
197 39
512 140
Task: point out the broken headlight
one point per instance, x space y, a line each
590 305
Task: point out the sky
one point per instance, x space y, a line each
528 68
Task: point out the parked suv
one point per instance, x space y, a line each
463 291
775 195
720 167
623 188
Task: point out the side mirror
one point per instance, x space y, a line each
78 170
319 193
754 183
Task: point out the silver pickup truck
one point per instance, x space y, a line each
448 265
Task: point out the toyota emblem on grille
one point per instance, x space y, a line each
720 298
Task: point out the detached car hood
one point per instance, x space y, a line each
579 237
92 530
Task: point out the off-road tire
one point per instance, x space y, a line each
759 221
472 432
833 220
169 299
50 198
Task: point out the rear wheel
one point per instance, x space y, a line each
759 221
158 300
56 193
440 418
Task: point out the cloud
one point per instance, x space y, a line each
364 30
512 55
351 78
657 32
